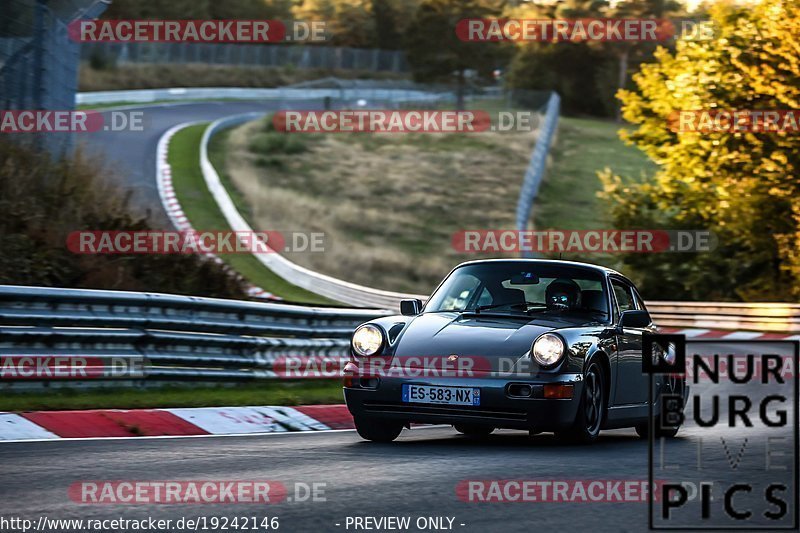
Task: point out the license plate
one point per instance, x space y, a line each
441 395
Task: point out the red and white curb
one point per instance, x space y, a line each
172 206
700 333
98 423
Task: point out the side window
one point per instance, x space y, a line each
624 296
485 298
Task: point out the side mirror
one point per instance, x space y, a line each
410 307
634 318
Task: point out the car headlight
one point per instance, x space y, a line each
548 349
367 340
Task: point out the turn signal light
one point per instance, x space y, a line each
349 376
557 391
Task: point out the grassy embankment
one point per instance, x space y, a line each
389 204
203 213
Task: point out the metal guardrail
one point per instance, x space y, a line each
92 335
282 93
765 317
128 336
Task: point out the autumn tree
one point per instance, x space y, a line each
199 9
743 186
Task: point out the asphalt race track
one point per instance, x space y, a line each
131 155
415 476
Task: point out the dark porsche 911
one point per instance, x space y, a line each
530 344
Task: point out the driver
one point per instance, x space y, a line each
563 294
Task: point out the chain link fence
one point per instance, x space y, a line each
246 55
38 61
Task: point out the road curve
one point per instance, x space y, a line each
131 155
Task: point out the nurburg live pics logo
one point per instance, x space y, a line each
739 448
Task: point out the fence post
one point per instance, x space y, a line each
38 54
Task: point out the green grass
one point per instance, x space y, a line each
203 213
568 195
262 393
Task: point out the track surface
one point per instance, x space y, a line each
131 155
415 476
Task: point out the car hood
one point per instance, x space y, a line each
487 339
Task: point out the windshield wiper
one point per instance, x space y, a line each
526 305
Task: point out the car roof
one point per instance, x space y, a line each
556 262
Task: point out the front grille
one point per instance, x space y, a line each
445 410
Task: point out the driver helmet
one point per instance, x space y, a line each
563 293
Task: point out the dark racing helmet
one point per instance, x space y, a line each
563 293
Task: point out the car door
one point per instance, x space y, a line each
631 383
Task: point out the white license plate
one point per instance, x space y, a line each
441 395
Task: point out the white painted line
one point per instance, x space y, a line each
157 437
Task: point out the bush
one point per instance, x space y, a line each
278 143
44 200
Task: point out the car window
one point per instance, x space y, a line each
485 297
536 293
460 293
523 288
624 295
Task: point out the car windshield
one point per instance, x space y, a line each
522 288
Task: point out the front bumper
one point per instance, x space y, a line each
499 406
